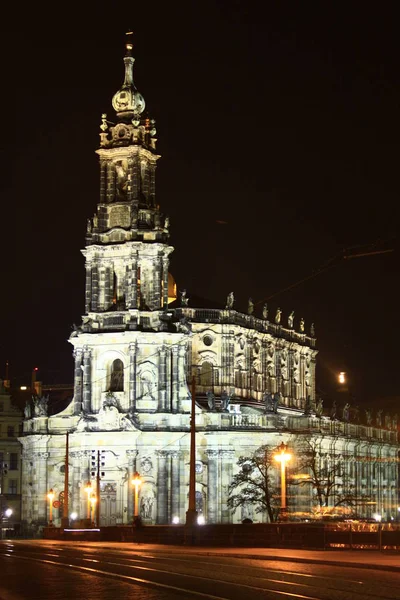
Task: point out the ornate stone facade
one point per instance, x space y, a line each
138 347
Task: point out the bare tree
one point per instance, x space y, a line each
323 471
254 484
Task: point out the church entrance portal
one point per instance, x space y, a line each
108 505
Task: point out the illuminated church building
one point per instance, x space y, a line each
140 343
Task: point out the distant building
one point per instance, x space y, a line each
138 347
10 461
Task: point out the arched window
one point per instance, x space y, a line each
117 376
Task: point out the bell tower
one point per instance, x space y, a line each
127 239
128 355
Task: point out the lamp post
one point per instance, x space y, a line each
136 482
50 496
7 513
283 456
88 490
93 501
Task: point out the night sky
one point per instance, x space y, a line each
279 119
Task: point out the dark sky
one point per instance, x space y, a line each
279 118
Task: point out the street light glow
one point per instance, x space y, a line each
283 455
8 512
342 377
136 482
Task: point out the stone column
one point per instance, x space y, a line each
162 488
130 180
131 456
226 458
88 287
168 378
157 279
212 486
78 381
76 483
181 376
95 288
161 380
103 172
264 355
312 378
165 263
132 376
110 182
135 178
108 284
42 511
87 375
175 484
128 285
174 374
134 284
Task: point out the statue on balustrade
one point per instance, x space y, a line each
333 410
278 316
378 418
276 402
184 298
368 416
394 422
290 320
230 300
225 400
210 400
27 409
250 307
319 407
268 402
302 325
265 312
40 406
346 412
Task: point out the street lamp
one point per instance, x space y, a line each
50 496
93 501
88 490
283 456
7 513
136 482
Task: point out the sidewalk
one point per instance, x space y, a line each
363 559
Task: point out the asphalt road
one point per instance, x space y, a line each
56 571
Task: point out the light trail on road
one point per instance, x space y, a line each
204 576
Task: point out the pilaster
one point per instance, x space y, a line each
212 486
77 381
87 375
162 488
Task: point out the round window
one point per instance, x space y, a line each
207 340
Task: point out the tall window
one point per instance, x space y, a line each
10 431
12 486
117 376
13 461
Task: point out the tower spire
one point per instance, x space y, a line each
129 43
127 102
